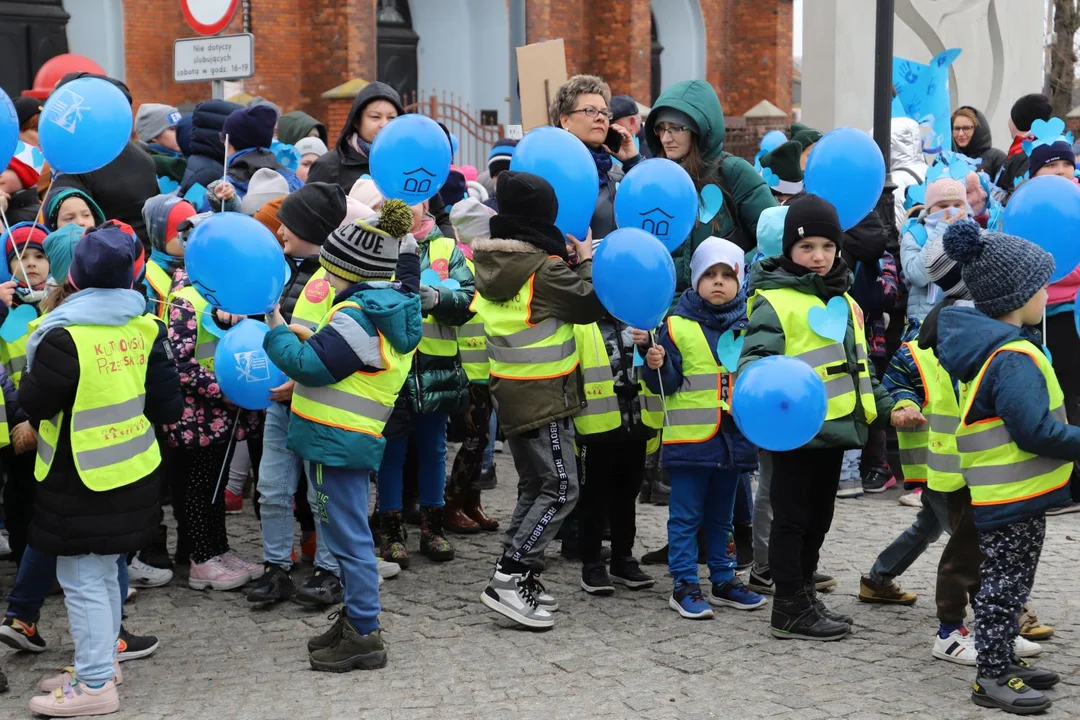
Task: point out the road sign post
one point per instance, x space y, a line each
224 57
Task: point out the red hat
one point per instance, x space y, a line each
23 235
178 213
27 175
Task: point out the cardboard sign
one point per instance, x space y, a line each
541 70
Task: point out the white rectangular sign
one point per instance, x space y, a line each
222 57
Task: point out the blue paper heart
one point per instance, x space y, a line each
451 284
638 360
365 176
917 194
167 185
1028 146
206 319
728 349
830 321
39 158
771 178
430 278
959 170
1048 130
935 172
17 323
195 195
711 202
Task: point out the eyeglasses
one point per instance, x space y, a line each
675 130
592 113
963 129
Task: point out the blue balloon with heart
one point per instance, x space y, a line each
1046 211
634 277
244 371
84 125
235 262
9 129
564 161
772 140
846 168
779 403
410 158
659 197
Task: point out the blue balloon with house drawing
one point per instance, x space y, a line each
410 158
922 94
659 197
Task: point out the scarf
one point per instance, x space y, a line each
360 145
93 306
161 149
603 163
837 281
427 224
718 317
165 261
1017 146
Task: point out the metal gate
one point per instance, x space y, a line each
475 139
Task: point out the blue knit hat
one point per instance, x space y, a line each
1043 155
250 127
500 156
1002 272
104 258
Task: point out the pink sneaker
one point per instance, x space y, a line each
51 684
234 503
216 574
76 700
254 571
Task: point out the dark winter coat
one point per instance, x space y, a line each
23 206
1013 389
982 147
69 518
301 271
207 158
603 219
729 448
120 189
167 163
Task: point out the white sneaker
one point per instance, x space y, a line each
141 575
1025 648
911 499
5 545
958 648
387 569
850 489
511 596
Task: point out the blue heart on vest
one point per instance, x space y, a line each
711 202
167 185
206 319
830 321
17 323
195 195
728 350
430 278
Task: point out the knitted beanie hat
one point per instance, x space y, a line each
314 211
1030 108
1001 271
366 192
471 219
152 119
784 163
368 249
267 215
265 185
943 271
500 156
811 216
944 189
1045 154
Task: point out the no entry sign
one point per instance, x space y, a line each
208 17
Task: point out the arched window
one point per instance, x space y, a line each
397 48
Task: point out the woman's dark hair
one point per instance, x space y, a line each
58 295
706 172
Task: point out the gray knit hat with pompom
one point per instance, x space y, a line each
1001 271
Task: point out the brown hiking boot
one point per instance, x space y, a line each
1031 628
888 593
351 651
457 520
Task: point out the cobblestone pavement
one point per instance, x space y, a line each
626 656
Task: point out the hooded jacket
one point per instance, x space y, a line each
908 164
744 190
728 448
295 125
1013 389
23 206
204 164
52 207
167 163
981 147
502 268
765 336
389 309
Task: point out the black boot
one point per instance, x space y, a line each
274 585
744 545
660 484
811 592
795 618
433 542
656 557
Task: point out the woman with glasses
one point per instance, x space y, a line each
971 136
581 107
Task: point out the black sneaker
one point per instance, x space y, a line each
1009 693
487 480
351 651
823 610
1032 676
595 580
761 582
656 557
275 584
627 572
322 588
795 618
21 635
877 481
133 647
823 581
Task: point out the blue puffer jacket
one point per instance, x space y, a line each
728 448
207 149
392 309
1012 389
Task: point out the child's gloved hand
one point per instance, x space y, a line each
907 417
408 245
224 192
429 297
655 357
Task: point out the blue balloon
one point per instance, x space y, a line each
9 129
1046 211
772 140
659 197
235 262
634 277
565 162
84 125
453 144
410 158
846 168
779 403
244 371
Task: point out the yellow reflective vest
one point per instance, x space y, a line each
160 283
845 381
13 354
696 408
362 402
995 469
472 345
314 302
112 441
205 341
439 340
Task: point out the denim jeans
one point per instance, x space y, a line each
279 474
489 449
342 506
92 597
932 518
35 579
849 469
701 497
429 443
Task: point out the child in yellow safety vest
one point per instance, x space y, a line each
1016 448
163 216
800 307
703 450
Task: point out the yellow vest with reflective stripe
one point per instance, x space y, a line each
994 467
112 441
913 441
695 408
205 341
472 345
159 282
519 349
13 354
439 340
361 402
845 381
942 412
602 412
315 301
